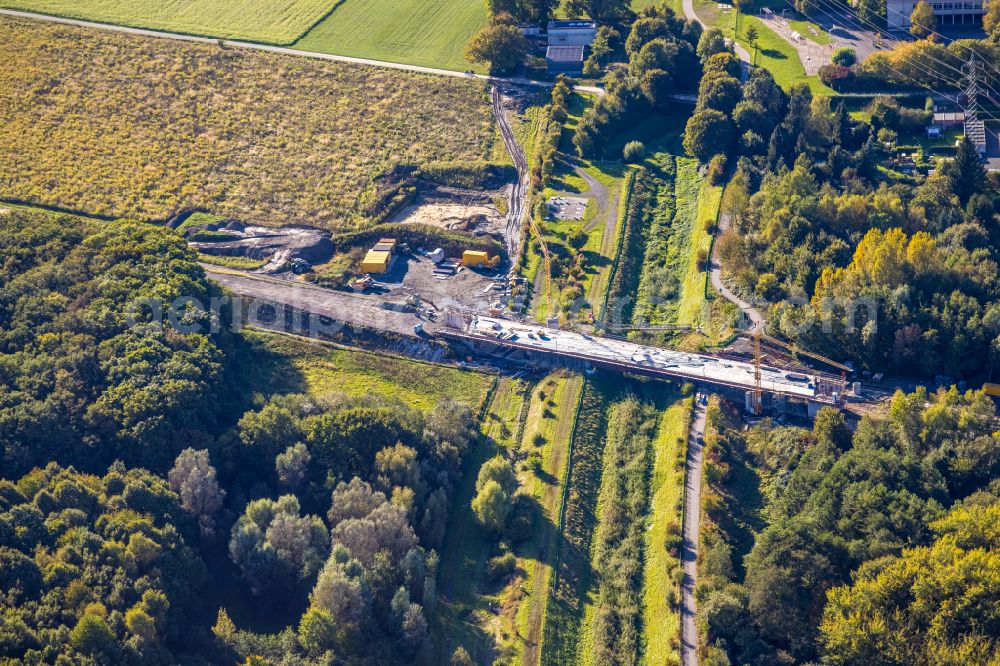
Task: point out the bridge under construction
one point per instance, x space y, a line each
783 390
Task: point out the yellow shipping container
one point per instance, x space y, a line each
376 262
475 258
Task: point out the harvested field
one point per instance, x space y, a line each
277 21
117 125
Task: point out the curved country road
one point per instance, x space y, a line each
689 549
715 278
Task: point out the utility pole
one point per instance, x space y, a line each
975 128
758 392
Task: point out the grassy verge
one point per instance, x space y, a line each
572 572
239 263
320 369
464 612
661 593
431 33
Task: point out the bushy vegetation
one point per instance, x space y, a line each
119 125
662 61
920 63
85 378
617 635
345 496
848 522
96 570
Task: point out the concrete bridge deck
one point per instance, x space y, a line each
486 333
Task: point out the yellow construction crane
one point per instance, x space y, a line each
794 349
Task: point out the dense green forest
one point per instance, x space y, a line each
148 487
873 548
893 273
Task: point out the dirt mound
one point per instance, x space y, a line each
277 245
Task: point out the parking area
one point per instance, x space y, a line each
567 208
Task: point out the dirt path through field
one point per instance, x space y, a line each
519 191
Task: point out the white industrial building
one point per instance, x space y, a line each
965 12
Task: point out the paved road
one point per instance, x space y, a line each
349 308
715 278
290 51
689 551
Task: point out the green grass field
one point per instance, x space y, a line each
320 369
274 21
431 33
805 28
661 619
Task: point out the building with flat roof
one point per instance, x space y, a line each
958 12
564 60
576 32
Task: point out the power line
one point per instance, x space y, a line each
916 64
925 68
956 42
875 27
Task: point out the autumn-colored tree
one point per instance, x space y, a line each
934 604
922 20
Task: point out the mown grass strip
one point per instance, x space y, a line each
661 591
572 571
272 22
624 226
551 439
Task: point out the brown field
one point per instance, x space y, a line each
118 125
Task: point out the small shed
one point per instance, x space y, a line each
564 60
574 32
475 258
376 262
947 119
